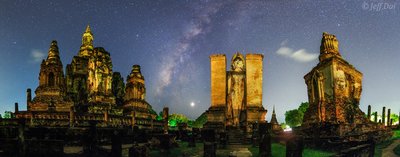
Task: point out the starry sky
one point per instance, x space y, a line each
172 41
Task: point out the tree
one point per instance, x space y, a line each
8 115
175 119
283 126
200 121
395 117
294 117
303 107
159 116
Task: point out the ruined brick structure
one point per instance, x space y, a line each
89 76
51 92
276 128
334 88
90 90
135 94
236 95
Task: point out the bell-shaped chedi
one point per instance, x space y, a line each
87 42
51 90
334 88
276 128
89 76
135 103
329 47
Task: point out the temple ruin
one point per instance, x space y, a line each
236 95
89 91
334 88
275 126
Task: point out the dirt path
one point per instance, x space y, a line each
388 151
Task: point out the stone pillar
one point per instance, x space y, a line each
294 147
133 114
71 117
369 112
21 138
191 140
388 118
209 143
254 79
383 115
152 124
375 117
16 108
106 116
265 139
391 122
89 141
28 98
372 146
218 80
165 119
116 144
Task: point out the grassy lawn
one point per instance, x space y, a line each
379 147
278 150
397 150
313 152
396 134
179 151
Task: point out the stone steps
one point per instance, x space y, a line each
235 137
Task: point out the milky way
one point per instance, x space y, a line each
172 41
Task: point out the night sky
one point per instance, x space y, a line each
172 41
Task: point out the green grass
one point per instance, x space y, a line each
178 151
279 150
396 134
319 153
380 146
397 150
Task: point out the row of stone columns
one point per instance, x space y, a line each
385 119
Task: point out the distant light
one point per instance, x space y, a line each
192 104
287 129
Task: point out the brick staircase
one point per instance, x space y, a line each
235 136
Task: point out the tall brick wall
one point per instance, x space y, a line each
218 80
254 79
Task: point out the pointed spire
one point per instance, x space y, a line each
136 69
273 110
87 42
273 117
136 72
329 46
53 51
88 29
